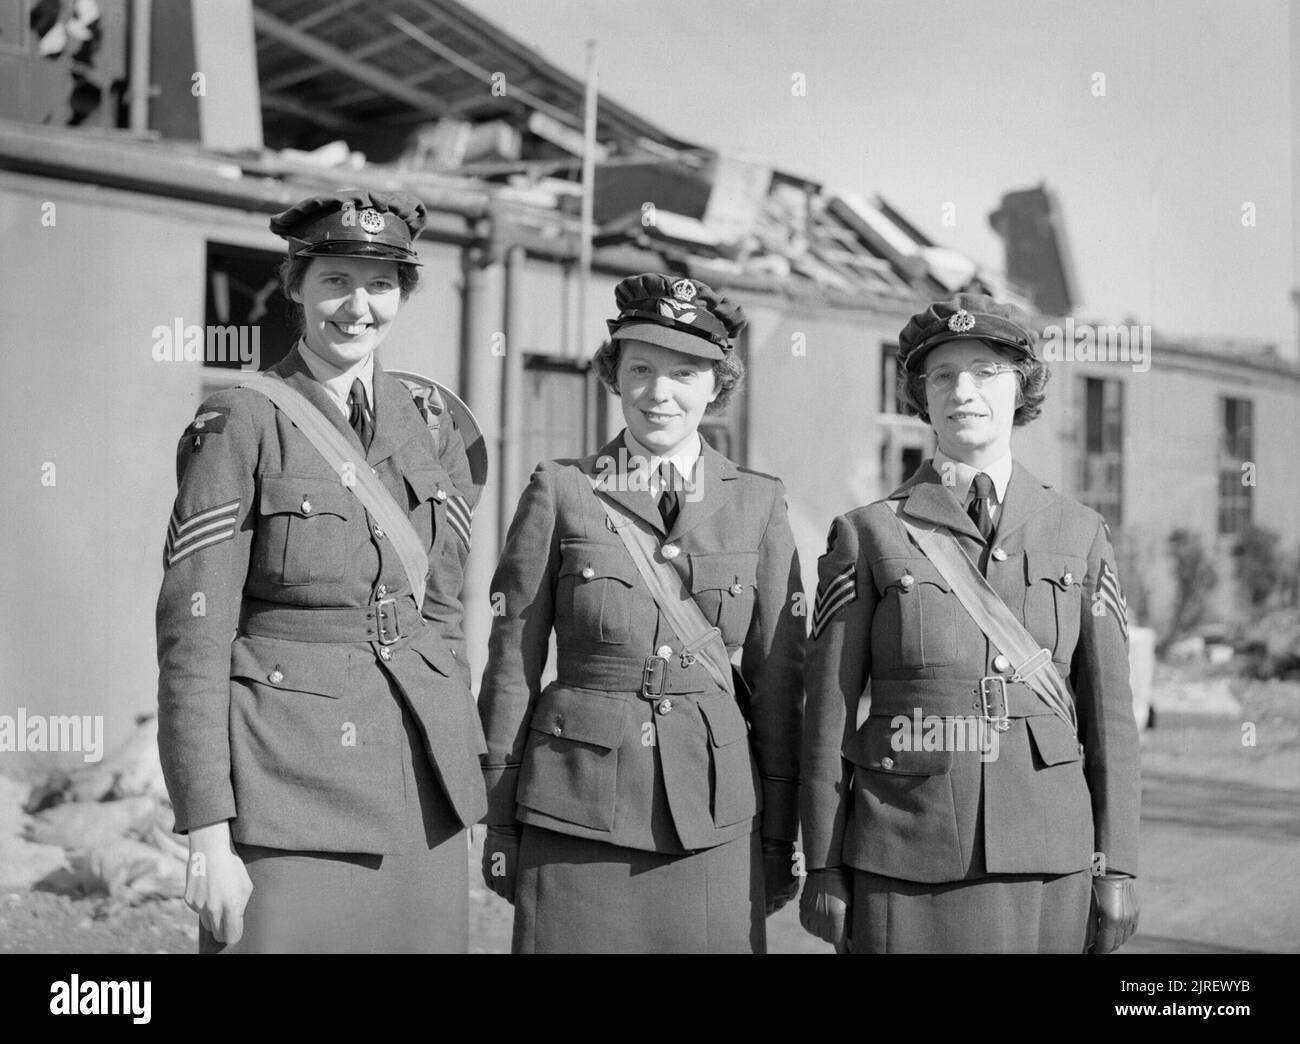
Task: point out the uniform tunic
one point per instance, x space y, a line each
638 810
337 731
956 844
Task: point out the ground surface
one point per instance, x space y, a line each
1220 851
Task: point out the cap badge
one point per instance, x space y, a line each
961 321
371 221
679 311
684 290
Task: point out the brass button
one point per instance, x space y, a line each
665 707
735 589
379 533
665 651
381 590
1067 578
670 551
588 572
907 580
887 762
385 653
557 728
306 506
999 555
276 676
441 495
1001 663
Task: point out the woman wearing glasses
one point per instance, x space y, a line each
956 795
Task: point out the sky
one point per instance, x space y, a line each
931 103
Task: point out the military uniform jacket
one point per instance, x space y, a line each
278 730
588 756
933 811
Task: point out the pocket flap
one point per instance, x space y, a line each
1053 740
721 570
893 572
291 666
586 717
1062 570
431 645
591 561
726 723
305 496
426 482
874 747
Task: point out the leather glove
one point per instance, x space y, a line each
501 861
824 906
778 873
1113 916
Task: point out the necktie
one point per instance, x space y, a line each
359 415
668 505
979 510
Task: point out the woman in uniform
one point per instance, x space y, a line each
324 764
969 812
634 804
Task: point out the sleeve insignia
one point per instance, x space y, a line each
209 422
1112 597
460 516
204 529
833 595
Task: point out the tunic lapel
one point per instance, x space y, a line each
611 464
295 374
925 497
1026 496
711 492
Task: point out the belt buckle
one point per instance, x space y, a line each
653 677
382 635
1001 722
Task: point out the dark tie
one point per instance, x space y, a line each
979 510
668 506
359 415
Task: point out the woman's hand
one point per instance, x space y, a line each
501 861
217 885
824 907
1114 914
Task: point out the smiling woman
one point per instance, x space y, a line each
640 802
323 763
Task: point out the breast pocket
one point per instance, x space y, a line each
916 620
302 528
594 590
723 586
1053 600
429 490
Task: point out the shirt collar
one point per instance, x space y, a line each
338 383
963 475
684 460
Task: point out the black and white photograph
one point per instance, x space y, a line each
695 477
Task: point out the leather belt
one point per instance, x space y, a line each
993 697
387 622
651 677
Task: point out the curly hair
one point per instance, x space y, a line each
728 373
1033 379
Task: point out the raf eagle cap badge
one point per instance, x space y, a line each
960 321
371 221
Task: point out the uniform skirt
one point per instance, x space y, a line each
1003 913
575 895
332 902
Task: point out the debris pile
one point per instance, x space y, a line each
102 829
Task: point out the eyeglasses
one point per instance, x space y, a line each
944 378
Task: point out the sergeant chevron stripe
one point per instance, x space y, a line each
834 595
1112 596
185 536
460 515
